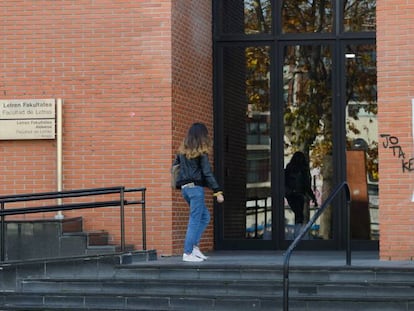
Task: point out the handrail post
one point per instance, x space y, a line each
286 283
306 228
144 222
348 233
3 235
122 196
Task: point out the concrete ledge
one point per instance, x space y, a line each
77 266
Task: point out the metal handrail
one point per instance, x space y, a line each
122 202
307 227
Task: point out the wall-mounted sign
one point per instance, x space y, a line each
27 119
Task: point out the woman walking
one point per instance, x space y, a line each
195 173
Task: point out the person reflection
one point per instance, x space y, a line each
298 187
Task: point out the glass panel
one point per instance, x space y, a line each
307 93
248 16
301 16
246 91
359 15
362 139
258 201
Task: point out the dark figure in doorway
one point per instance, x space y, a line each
298 188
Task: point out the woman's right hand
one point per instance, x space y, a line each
220 198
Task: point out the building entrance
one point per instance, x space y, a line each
304 85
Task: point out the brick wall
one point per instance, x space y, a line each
192 91
395 37
134 76
111 63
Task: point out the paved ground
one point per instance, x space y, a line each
298 258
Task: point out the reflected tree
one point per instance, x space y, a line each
308 111
359 15
258 79
258 16
300 16
308 100
308 78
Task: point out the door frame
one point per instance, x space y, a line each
338 40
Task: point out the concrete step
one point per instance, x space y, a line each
86 266
218 288
98 238
305 274
73 224
202 287
107 249
51 238
26 301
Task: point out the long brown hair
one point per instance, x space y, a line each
197 141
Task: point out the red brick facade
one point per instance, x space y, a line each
192 93
133 76
395 37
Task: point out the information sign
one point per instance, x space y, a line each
27 119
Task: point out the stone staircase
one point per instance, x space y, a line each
135 281
50 238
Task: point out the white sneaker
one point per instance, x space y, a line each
191 258
196 252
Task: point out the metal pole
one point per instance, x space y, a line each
3 235
122 196
144 223
348 234
286 291
59 214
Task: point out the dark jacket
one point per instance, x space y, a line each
298 181
197 170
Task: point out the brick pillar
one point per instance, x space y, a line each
395 37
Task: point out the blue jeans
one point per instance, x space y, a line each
199 217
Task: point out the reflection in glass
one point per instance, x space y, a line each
362 138
301 16
248 16
244 105
307 75
359 15
246 108
257 16
258 196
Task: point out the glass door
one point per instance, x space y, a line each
308 137
294 76
247 214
